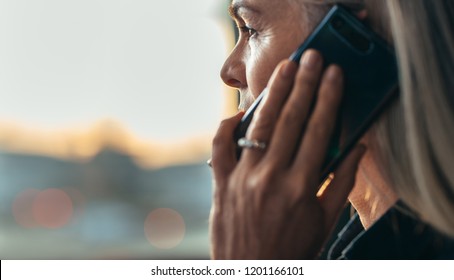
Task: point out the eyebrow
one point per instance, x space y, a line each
234 9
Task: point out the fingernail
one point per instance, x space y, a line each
288 70
311 59
333 73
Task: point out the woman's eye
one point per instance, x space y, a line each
250 32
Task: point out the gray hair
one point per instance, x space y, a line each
421 145
414 139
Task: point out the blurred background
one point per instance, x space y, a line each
107 110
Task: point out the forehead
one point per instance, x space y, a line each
254 4
262 7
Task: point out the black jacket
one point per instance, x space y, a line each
396 235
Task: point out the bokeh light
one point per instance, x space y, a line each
122 104
52 208
165 228
22 208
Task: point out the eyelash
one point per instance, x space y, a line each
247 30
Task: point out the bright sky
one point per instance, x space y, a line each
151 65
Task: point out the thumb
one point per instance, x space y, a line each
224 149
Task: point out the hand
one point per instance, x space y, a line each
266 204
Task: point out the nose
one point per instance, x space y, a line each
233 72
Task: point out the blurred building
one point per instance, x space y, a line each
110 199
75 186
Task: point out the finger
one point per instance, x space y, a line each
287 134
335 196
266 115
224 149
312 152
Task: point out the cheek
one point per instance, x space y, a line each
260 67
266 56
258 75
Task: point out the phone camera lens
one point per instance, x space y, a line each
350 34
337 23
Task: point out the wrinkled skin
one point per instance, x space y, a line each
266 205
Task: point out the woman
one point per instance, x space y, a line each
267 204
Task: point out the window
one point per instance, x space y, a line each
107 109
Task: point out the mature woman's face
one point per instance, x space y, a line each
270 31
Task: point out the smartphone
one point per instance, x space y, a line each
370 79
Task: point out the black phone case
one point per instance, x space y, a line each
370 73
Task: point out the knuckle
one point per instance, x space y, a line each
224 123
293 181
218 139
222 132
252 182
297 186
261 180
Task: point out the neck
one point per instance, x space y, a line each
371 196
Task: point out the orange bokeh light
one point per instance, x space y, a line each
164 228
52 208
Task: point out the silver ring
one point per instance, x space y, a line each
251 144
209 163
